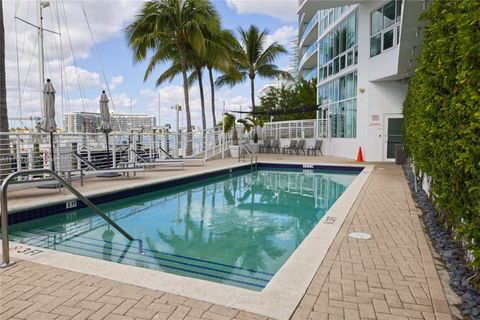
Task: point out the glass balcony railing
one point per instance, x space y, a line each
311 49
311 74
309 27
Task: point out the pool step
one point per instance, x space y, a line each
145 255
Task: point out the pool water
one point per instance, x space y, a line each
237 229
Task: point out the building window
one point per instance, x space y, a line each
338 48
338 99
329 16
385 27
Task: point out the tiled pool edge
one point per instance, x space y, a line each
279 299
42 209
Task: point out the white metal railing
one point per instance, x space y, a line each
295 129
246 149
27 151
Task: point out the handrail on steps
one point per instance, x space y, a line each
250 152
4 208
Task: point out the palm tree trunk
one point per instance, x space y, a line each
252 87
181 52
202 105
212 94
4 141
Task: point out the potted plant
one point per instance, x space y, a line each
229 124
249 123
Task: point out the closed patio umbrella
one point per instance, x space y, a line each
106 128
48 123
105 124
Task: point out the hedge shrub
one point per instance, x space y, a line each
442 115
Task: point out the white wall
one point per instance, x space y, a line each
373 98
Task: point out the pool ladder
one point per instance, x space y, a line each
247 151
4 208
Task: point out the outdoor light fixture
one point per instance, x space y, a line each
361 90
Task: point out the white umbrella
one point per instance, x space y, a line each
105 125
48 123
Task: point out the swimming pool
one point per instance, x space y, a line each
237 229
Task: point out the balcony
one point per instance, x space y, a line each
315 5
309 58
309 35
309 75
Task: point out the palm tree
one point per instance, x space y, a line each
3 93
220 58
254 58
252 122
168 27
230 124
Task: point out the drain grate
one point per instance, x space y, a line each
360 235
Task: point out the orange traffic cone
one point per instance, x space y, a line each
359 155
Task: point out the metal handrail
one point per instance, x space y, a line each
250 152
4 208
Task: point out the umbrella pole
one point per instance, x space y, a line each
108 151
51 151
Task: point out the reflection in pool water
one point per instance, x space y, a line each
237 229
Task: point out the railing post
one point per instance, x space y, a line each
57 149
114 152
19 154
89 153
152 148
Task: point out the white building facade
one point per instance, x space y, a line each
89 122
362 54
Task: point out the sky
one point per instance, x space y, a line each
74 59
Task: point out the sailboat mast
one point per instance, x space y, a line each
41 54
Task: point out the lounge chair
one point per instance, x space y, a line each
299 147
106 173
315 148
291 147
275 146
146 161
187 160
265 146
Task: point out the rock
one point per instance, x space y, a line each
475 312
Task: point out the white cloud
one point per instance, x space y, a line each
59 52
284 36
147 93
123 102
282 9
86 78
115 82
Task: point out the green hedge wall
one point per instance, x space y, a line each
442 115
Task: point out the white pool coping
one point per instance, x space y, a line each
278 299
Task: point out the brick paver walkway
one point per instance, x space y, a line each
391 276
35 292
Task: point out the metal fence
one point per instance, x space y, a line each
296 129
25 151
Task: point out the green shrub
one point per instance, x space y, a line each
442 115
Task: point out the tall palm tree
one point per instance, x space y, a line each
167 27
254 58
220 58
3 93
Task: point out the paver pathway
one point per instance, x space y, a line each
391 276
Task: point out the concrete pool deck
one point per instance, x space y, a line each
391 275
